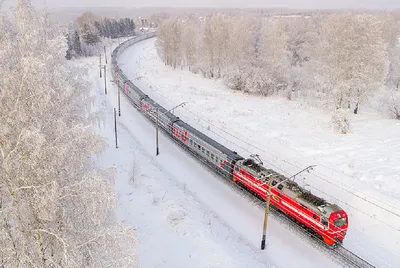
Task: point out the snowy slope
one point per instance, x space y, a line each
361 170
186 216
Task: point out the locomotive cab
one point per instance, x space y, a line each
339 222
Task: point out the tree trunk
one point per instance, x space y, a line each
356 109
340 102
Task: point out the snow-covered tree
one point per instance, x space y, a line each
169 41
213 52
241 51
340 121
90 35
57 208
189 43
350 58
273 59
337 58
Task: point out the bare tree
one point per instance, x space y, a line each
57 207
189 43
391 35
214 44
273 58
241 51
338 58
350 58
169 41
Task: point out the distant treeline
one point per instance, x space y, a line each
87 31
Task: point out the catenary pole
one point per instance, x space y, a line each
266 213
100 65
105 54
115 128
157 150
181 104
119 98
105 80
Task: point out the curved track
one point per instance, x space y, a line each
340 254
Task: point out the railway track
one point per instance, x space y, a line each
355 260
340 255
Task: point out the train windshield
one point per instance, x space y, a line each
340 222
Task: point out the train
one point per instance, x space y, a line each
328 221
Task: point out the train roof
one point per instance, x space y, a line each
290 188
231 154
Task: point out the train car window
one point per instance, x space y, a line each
279 195
324 221
191 142
208 153
236 169
280 186
274 183
315 216
202 149
216 159
212 156
199 147
194 144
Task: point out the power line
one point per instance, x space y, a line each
294 165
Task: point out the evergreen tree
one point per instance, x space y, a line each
77 44
89 37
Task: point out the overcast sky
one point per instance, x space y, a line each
307 4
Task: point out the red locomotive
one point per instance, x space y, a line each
327 220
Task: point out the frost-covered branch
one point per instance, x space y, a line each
53 198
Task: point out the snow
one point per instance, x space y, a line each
358 171
185 215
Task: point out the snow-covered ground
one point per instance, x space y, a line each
359 171
185 215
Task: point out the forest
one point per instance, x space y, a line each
87 35
336 61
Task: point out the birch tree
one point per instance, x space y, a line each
391 35
169 41
57 209
273 59
189 43
241 51
350 58
214 52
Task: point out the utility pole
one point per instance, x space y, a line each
269 199
119 98
115 128
266 213
100 65
105 54
157 150
181 104
105 79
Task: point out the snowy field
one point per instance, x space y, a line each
359 171
186 216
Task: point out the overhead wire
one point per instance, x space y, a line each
347 204
321 176
264 151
